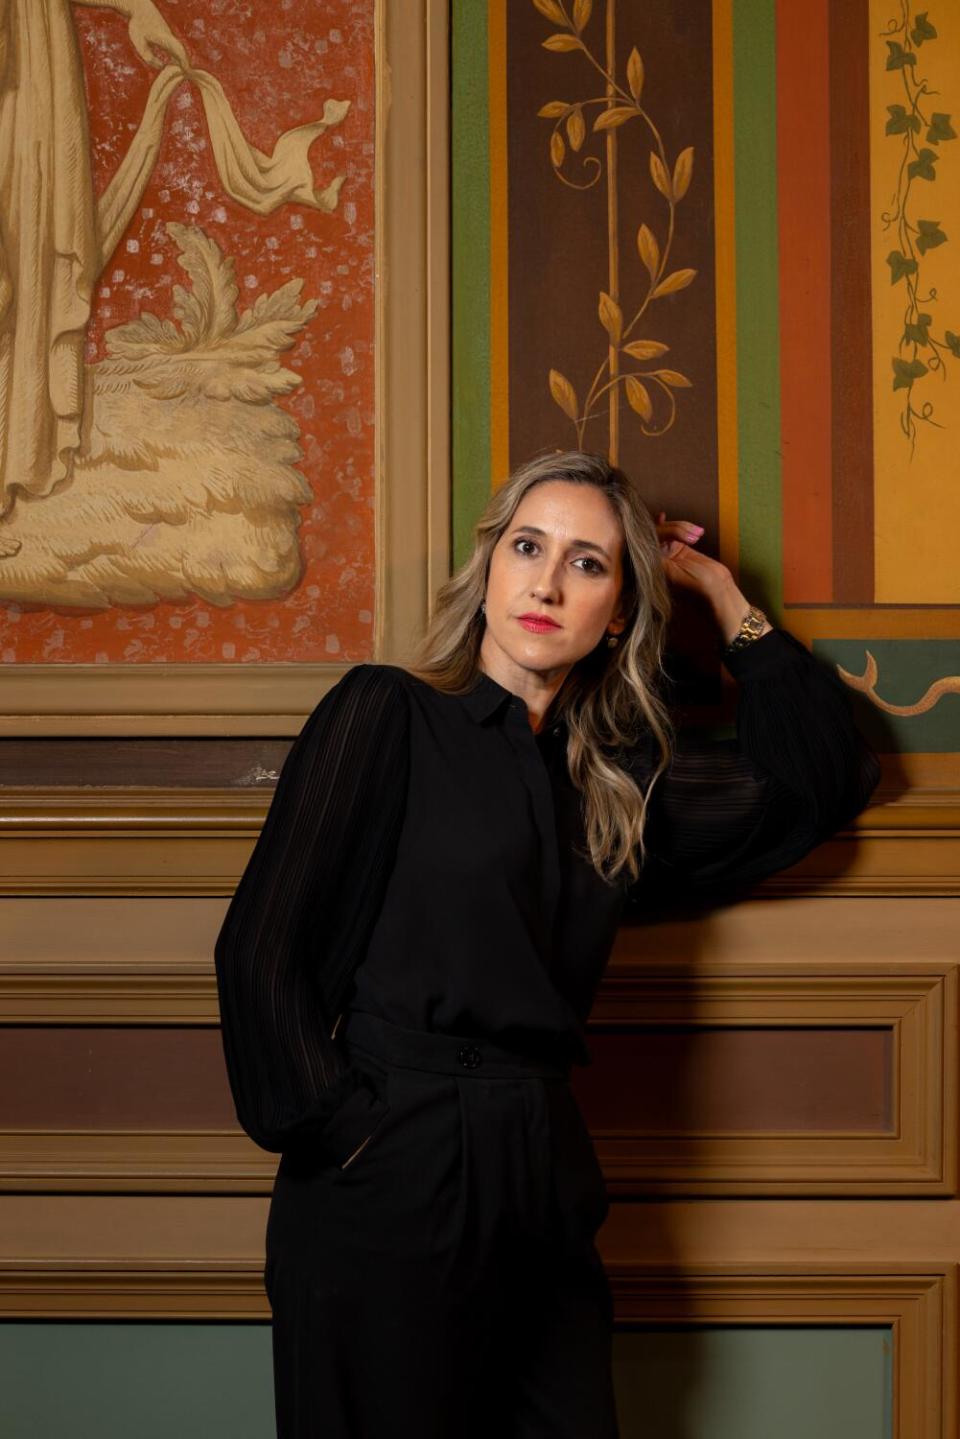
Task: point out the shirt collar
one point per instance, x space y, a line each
486 697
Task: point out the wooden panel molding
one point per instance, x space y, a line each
126 1161
917 1155
918 1305
811 962
142 842
154 841
208 1289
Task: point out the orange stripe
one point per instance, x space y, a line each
499 243
883 622
803 168
726 284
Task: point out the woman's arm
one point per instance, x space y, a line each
300 918
729 813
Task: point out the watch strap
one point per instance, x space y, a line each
750 629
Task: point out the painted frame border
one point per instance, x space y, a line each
411 443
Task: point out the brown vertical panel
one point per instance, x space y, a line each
558 244
851 337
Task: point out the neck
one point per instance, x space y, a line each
536 688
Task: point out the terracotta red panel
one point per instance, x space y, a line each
803 202
851 339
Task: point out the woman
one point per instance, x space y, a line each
408 963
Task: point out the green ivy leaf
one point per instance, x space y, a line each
905 372
919 331
953 343
940 128
900 122
900 265
922 30
930 235
922 167
899 57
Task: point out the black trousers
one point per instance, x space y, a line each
445 1284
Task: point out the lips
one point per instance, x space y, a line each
538 624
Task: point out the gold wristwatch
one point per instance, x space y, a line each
750 628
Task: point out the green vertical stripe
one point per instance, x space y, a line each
470 225
758 327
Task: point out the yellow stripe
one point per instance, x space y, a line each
499 292
726 282
916 500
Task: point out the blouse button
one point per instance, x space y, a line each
469 1056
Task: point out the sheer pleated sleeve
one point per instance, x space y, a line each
299 921
728 813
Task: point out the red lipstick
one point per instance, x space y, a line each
538 624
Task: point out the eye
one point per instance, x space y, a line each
589 560
519 542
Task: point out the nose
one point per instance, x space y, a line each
546 583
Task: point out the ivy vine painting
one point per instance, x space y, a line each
919 131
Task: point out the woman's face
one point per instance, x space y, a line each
559 559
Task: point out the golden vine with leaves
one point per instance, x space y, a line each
620 105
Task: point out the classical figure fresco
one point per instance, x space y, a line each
150 460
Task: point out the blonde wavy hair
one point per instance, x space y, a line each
610 694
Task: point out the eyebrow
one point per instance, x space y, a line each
574 544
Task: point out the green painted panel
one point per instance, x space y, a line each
758 329
745 1383
470 267
905 671
136 1381
213 1381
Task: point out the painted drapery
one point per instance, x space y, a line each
158 460
55 240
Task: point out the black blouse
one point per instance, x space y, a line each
419 861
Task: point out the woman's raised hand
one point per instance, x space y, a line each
691 570
685 566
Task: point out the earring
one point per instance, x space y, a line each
612 642
483 608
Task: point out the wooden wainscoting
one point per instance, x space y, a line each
919 1306
131 982
773 1094
836 1116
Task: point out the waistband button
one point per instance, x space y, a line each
469 1056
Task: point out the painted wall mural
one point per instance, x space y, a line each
760 196
186 330
634 368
